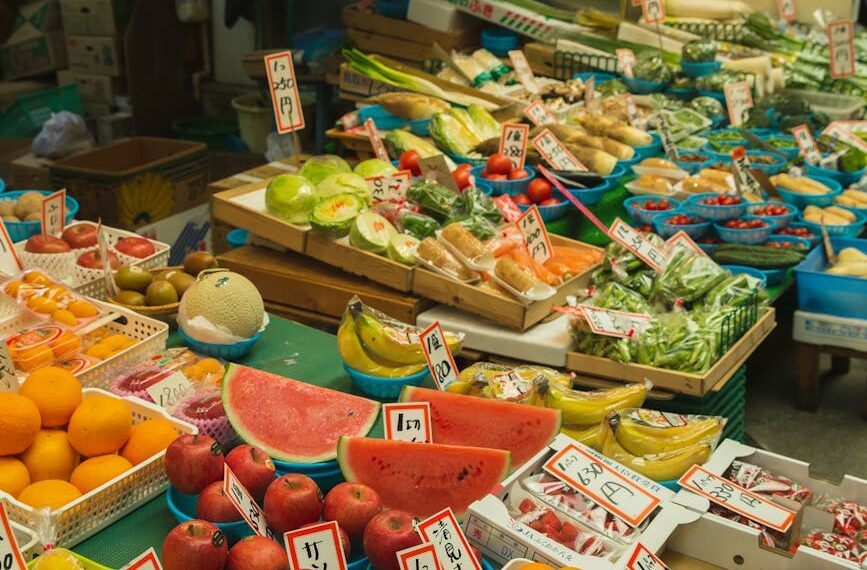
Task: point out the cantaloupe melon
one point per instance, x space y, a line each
222 307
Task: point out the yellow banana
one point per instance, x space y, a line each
393 343
640 439
585 408
356 357
460 387
589 436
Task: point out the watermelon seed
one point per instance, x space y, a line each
463 474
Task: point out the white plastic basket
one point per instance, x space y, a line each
106 504
28 542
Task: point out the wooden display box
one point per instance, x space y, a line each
673 380
375 267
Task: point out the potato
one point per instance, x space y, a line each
11 219
28 203
7 208
33 217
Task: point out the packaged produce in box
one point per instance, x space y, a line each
51 301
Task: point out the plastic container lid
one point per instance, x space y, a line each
499 41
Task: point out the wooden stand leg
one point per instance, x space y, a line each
840 365
807 361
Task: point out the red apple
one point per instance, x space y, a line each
80 235
388 533
92 260
253 468
257 553
42 243
215 506
194 544
135 246
352 505
291 501
344 538
193 462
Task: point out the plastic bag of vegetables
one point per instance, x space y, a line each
651 67
677 342
435 199
687 278
478 225
617 297
478 203
699 51
708 107
734 291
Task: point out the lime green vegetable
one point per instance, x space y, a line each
451 135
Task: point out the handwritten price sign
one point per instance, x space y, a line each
629 238
681 242
409 421
54 213
315 547
389 186
439 357
643 559
376 141
739 100
507 206
841 46
555 153
539 114
746 182
807 144
513 143
169 392
9 262
535 235
10 555
635 118
243 501
284 92
523 71
449 542
421 557
788 12
653 10
609 322
626 59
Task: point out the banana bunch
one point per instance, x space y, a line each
586 408
648 432
522 384
145 199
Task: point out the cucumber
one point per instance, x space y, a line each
401 248
371 232
756 256
333 215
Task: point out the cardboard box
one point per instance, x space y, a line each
10 149
185 231
517 19
92 88
95 17
439 15
31 172
95 54
36 45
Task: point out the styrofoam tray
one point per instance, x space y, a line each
830 330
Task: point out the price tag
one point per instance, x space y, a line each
590 92
739 100
107 273
421 557
626 59
169 392
451 546
147 560
507 206
571 311
8 378
10 555
805 141
439 357
668 143
735 498
654 11
243 501
315 547
841 46
744 179
681 242
845 132
535 235
619 324
376 141
408 421
643 559
9 262
284 92
616 493
575 202
788 12
627 236
510 385
539 114
389 186
523 71
436 168
555 153
54 213
635 118
513 143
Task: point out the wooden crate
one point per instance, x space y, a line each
673 380
354 142
375 267
389 29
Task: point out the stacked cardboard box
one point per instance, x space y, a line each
36 44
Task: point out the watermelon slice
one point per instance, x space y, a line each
291 420
422 478
468 420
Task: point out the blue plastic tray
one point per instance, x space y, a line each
700 68
752 271
646 216
694 207
695 231
383 388
820 292
804 200
20 231
510 187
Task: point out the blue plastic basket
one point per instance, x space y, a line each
751 271
693 167
393 8
600 77
613 179
749 236
804 200
458 159
852 230
694 207
484 187
769 169
284 467
20 231
549 213
648 150
774 276
814 241
224 351
237 238
790 152
627 164
499 41
826 293
646 216
383 388
183 508
381 118
708 248
718 95
846 179
798 243
420 127
510 187
590 196
695 231
643 87
700 68
777 221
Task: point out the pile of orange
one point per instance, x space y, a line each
56 445
46 297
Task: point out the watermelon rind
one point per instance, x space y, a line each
280 454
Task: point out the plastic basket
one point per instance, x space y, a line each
729 32
777 222
692 166
27 540
666 230
613 179
224 351
798 243
769 169
111 501
744 270
567 63
649 150
838 295
510 187
499 41
694 207
814 241
284 467
183 508
700 68
642 87
383 388
549 213
20 231
590 196
749 236
844 178
804 200
842 230
646 216
26 115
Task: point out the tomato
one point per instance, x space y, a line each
496 177
722 200
499 164
550 202
409 161
518 174
522 199
646 229
539 190
739 224
461 174
656 205
681 220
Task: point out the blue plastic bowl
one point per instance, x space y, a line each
844 178
467 160
798 244
681 92
383 388
359 563
814 241
774 276
237 237
749 236
510 187
646 216
590 196
381 118
420 127
804 200
484 187
695 231
790 152
499 41
629 163
20 231
700 68
642 87
846 230
693 167
751 271
769 169
393 8
549 213
648 150
777 221
708 248
599 76
613 179
694 207
718 95
224 351
183 508
284 467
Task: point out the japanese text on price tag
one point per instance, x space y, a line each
407 421
626 59
643 559
841 46
617 494
421 557
807 144
735 498
10 555
535 235
654 11
436 168
681 242
635 118
439 357
842 131
389 186
10 264
609 322
626 235
284 92
788 12
509 385
554 153
513 143
523 71
507 206
376 141
147 560
8 377
243 501
169 392
664 129
315 547
739 100
451 546
54 213
746 182
539 114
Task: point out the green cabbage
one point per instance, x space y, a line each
451 135
373 167
291 198
318 167
344 183
486 125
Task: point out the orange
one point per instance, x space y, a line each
50 456
98 470
32 358
193 372
65 346
211 366
83 309
117 341
55 392
536 566
147 439
99 351
19 423
42 304
100 425
12 288
64 317
13 476
36 277
51 493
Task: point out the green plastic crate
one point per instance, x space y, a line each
26 115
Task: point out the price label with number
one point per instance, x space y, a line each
408 421
609 322
436 168
10 264
653 10
746 182
147 560
439 357
807 144
243 501
421 557
10 555
845 131
510 386
54 213
539 114
627 236
626 59
315 547
507 206
513 143
389 186
616 493
841 47
635 118
169 392
523 71
788 11
376 141
284 92
681 242
643 559
535 235
555 153
735 498
449 542
668 143
8 377
739 100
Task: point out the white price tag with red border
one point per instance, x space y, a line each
421 557
643 559
616 493
632 240
509 385
54 213
513 143
450 544
668 143
407 421
243 501
10 264
807 144
535 235
8 376
523 71
681 242
439 357
147 560
284 92
744 179
635 118
653 10
315 547
841 47
739 100
845 131
10 554
376 141
436 168
555 153
507 206
609 322
539 114
389 186
626 59
788 11
168 392
735 498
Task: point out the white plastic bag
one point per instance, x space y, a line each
61 135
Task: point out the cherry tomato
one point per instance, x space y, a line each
681 220
522 199
461 174
496 177
646 229
550 202
722 200
499 164
409 161
518 174
539 190
657 205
